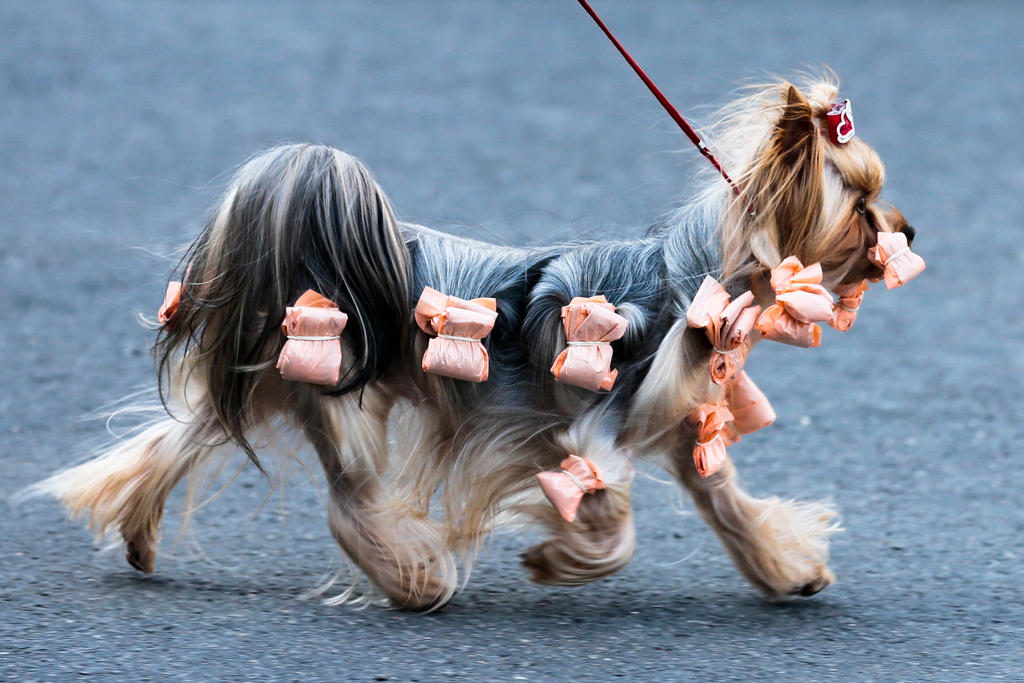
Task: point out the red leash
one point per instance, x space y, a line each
676 116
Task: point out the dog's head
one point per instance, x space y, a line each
812 197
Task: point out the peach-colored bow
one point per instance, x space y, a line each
749 406
456 351
726 324
312 353
591 324
714 433
565 489
893 253
800 301
844 312
172 297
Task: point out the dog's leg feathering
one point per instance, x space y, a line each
602 539
399 548
780 546
126 487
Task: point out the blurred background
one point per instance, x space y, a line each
517 122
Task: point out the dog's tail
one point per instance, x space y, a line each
295 217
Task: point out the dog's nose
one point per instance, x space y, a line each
909 232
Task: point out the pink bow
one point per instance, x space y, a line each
565 489
726 324
800 301
749 406
714 433
172 297
591 324
893 253
312 353
456 351
844 312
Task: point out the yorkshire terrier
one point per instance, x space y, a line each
448 386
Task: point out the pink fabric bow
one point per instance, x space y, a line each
312 353
565 489
172 297
726 324
456 351
591 324
893 253
844 312
800 301
714 433
749 406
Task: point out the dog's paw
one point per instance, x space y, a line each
824 579
788 547
140 555
798 587
555 563
419 585
425 586
431 595
547 567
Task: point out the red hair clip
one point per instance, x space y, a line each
840 123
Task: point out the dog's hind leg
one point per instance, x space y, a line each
602 539
126 487
780 546
396 543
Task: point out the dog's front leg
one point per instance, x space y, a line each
780 546
602 539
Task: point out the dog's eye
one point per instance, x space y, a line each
861 206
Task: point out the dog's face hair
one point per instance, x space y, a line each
812 199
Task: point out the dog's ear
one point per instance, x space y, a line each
795 134
790 177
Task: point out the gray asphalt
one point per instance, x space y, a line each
516 122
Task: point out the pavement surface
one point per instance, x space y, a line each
516 121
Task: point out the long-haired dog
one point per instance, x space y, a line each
421 466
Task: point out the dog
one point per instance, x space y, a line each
448 386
